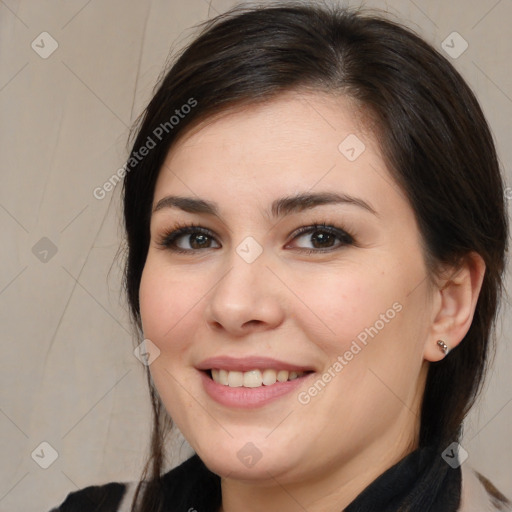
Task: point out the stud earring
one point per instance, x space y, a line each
443 346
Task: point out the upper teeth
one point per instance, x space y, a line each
253 378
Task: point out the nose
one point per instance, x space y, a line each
248 298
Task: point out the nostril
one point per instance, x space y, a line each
215 325
252 323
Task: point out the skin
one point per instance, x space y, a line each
304 308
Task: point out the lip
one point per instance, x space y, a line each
249 398
246 364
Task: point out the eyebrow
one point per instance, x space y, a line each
279 208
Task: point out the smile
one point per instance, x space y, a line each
252 381
253 378
242 397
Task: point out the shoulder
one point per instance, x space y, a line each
191 480
480 495
95 498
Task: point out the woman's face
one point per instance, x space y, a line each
304 256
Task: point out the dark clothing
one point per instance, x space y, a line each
420 482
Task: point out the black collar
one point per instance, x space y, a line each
422 481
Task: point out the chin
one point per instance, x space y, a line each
245 460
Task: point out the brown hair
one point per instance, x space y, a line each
431 130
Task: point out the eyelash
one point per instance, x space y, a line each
168 238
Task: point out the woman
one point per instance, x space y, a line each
316 231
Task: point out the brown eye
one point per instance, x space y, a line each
321 237
195 241
189 239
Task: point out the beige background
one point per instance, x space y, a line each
68 373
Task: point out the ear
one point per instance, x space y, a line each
454 300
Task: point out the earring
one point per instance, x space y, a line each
443 346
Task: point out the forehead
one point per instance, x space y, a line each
294 143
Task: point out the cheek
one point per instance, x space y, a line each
368 317
168 303
345 302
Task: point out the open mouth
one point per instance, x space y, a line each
253 378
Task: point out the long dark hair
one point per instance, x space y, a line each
431 130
